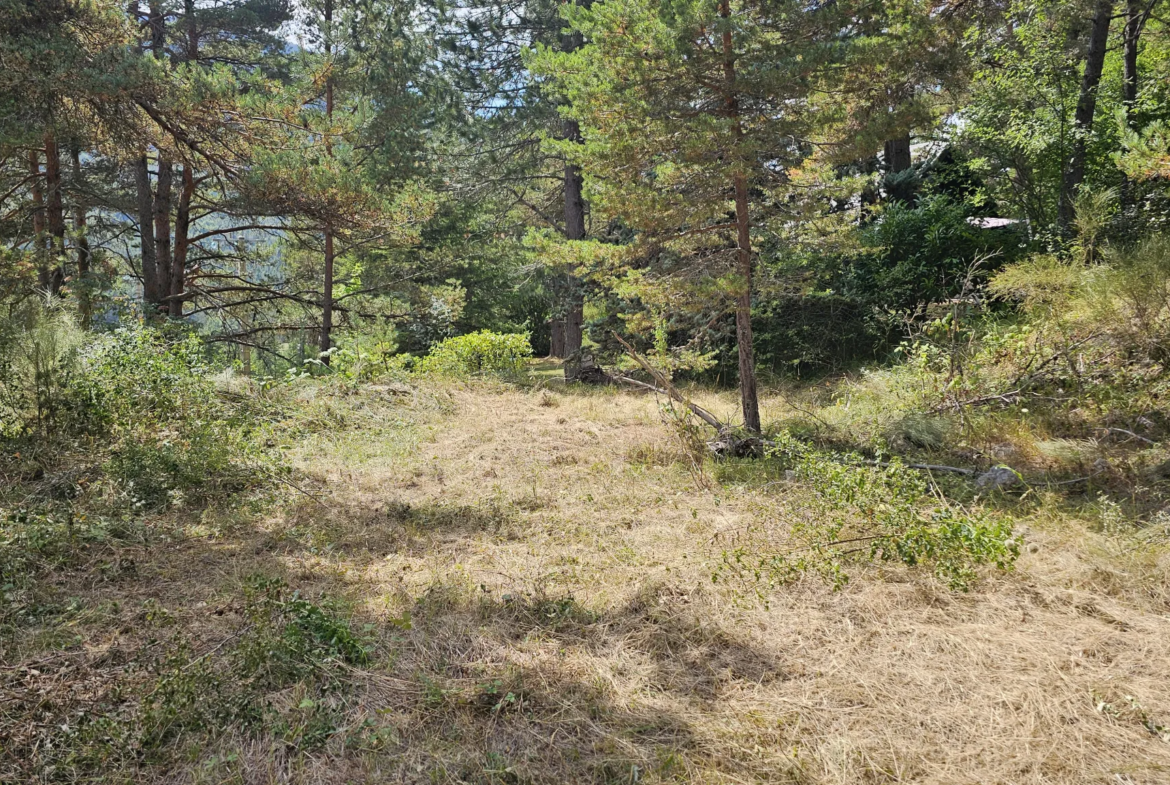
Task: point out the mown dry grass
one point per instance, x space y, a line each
536 565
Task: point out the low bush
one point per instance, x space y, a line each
482 352
850 512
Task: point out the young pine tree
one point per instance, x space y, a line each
693 116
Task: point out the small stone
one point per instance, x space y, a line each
998 478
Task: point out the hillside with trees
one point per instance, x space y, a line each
585 391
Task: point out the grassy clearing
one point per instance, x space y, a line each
485 583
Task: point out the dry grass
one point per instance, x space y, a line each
537 565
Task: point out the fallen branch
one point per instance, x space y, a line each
1130 434
665 387
929 467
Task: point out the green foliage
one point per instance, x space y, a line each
38 353
482 352
851 512
291 638
924 253
136 375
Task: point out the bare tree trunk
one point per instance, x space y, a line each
151 294
556 341
574 230
743 303
897 153
162 227
1133 31
81 240
54 214
182 242
178 276
1074 174
44 278
326 342
571 327
144 200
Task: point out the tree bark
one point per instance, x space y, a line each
574 230
326 342
1074 174
162 226
897 153
54 214
151 294
182 242
1133 31
556 341
44 279
81 240
192 31
572 326
743 304
178 276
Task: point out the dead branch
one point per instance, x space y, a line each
666 388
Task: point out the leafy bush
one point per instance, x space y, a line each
924 253
136 375
201 461
849 511
478 353
291 638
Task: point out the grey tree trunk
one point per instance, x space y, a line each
54 214
326 339
1074 173
81 239
151 294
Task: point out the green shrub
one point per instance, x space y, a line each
291 638
478 353
38 352
850 511
136 375
200 462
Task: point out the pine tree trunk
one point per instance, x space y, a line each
743 311
162 228
44 278
574 230
327 301
326 341
556 341
182 242
1133 32
574 306
54 214
81 241
743 303
151 294
1074 174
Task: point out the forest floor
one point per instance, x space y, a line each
535 569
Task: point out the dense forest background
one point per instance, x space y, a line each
328 180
